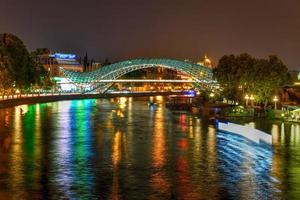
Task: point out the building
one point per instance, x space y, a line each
53 62
295 77
290 95
206 61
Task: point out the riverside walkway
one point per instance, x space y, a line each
42 98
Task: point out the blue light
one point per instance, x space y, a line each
190 93
64 56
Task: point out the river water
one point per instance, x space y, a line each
123 148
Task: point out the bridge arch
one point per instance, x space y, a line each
201 74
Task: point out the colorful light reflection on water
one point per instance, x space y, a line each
125 149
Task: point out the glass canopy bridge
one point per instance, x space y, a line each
101 79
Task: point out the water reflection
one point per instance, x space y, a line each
124 148
15 173
159 144
116 159
62 173
286 159
248 166
159 178
184 187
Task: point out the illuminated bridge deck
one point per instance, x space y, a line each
139 81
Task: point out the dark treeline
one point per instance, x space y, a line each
243 74
18 68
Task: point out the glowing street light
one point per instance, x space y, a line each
252 100
247 99
252 97
17 92
275 99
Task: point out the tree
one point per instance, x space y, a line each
19 68
85 62
269 75
106 62
40 51
242 74
91 65
5 81
228 74
18 58
245 68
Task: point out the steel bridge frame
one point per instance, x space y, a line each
92 80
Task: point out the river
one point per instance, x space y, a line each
122 148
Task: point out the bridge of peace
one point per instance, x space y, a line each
96 83
102 79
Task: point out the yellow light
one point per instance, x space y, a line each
123 100
116 149
207 60
120 114
251 97
275 99
247 97
211 94
159 98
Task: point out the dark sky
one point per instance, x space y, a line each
158 28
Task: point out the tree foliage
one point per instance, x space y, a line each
40 51
85 62
17 66
269 75
230 74
242 74
5 80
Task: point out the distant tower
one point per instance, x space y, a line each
206 61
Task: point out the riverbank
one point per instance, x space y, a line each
43 99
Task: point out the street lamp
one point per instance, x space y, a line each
17 92
275 102
247 99
252 99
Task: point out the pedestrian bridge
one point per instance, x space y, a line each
100 79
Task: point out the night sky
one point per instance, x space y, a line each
180 29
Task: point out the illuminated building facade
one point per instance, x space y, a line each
206 62
296 77
290 95
53 62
